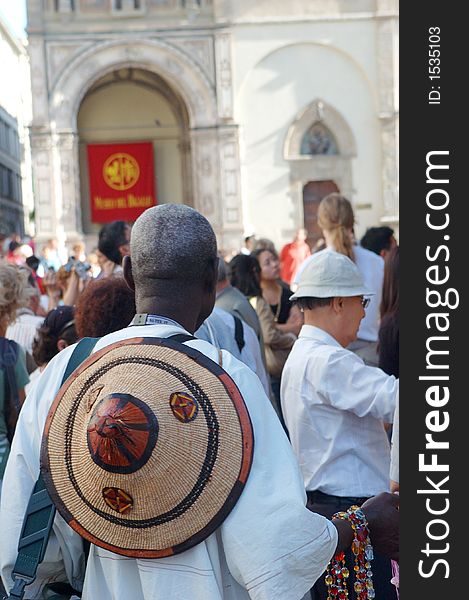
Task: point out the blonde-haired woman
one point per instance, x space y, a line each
14 294
336 219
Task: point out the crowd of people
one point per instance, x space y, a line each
310 339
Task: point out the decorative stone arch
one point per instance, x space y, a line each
157 56
319 112
319 167
213 144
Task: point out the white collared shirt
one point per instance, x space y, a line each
270 547
334 407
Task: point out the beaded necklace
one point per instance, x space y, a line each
337 573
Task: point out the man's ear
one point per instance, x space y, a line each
128 275
337 304
210 276
61 344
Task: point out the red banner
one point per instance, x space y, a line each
122 181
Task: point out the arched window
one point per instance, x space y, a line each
318 140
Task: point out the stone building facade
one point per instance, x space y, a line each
15 111
255 109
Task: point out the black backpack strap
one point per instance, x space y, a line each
181 337
40 513
8 356
239 332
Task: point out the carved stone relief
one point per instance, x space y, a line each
38 80
43 191
204 146
177 68
59 55
201 50
230 177
224 75
388 115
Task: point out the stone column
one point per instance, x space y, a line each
216 167
67 169
228 145
224 75
388 110
206 169
230 174
47 223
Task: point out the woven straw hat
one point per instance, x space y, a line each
147 448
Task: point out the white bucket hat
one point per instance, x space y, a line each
329 274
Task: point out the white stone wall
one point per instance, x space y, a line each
279 70
246 72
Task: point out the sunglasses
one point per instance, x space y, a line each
365 301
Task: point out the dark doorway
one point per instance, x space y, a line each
313 193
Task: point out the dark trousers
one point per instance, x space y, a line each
327 505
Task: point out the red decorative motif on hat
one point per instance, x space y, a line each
184 407
118 500
121 433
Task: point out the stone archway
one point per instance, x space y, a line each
131 105
306 169
210 141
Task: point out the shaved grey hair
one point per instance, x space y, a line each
172 242
222 273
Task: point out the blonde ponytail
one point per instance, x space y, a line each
335 215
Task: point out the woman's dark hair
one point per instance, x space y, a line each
111 236
390 296
258 251
105 305
264 244
388 335
58 325
245 274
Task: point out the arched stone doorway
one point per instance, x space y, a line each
133 105
319 147
211 169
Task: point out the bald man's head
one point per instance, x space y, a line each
171 242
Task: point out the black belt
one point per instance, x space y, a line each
321 497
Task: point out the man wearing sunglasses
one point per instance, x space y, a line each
334 405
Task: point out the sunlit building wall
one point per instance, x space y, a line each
255 110
16 202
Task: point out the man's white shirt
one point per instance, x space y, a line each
334 407
269 547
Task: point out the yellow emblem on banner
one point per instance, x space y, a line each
121 171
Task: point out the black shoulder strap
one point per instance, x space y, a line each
8 356
181 337
40 513
39 516
239 332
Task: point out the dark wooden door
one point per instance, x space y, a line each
313 193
